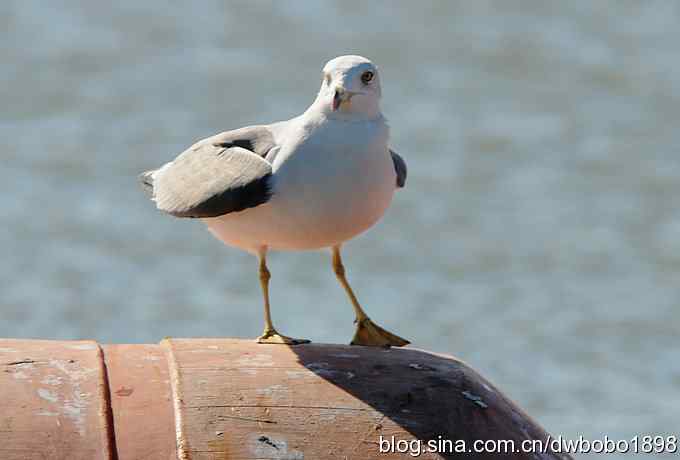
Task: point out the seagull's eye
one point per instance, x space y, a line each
366 77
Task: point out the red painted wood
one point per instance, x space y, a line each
234 399
141 401
53 401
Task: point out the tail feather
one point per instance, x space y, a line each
146 180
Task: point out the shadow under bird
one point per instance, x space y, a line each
311 182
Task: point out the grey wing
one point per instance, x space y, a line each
400 168
216 176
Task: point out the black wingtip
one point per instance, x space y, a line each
237 199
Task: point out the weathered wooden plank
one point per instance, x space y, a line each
141 401
53 401
237 400
233 399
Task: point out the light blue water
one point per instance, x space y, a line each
537 238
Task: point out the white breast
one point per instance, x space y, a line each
334 181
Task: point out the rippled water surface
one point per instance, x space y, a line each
538 237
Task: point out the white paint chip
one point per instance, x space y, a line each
47 395
274 390
52 380
82 346
346 355
20 375
151 358
297 374
258 360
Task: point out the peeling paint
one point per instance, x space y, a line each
327 415
151 358
258 360
273 447
74 407
475 399
319 365
421 367
82 346
269 442
199 350
297 374
72 370
325 373
20 375
47 395
322 369
273 390
52 380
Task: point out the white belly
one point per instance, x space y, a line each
320 199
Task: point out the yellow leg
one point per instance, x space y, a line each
270 334
367 333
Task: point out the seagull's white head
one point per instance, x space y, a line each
350 88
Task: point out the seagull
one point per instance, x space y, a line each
312 182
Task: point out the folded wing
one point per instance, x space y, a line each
216 176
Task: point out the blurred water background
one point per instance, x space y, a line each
537 237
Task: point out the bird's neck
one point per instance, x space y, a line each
319 109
